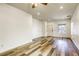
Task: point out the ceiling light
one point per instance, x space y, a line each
61 7
34 4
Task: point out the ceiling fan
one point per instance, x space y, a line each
69 17
35 4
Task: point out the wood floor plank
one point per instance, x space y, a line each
32 50
47 50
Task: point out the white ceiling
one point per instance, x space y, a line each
50 12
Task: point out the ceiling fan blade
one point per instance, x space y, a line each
44 3
33 6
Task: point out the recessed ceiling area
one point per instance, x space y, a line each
50 12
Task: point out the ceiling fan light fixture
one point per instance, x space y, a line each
61 7
34 5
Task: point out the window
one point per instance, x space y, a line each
61 28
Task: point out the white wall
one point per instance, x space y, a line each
75 27
45 28
15 27
54 25
37 28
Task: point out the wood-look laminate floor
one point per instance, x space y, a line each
64 47
54 47
60 47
